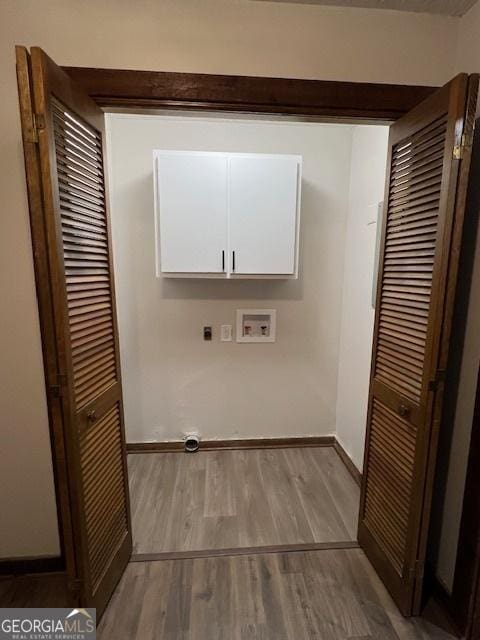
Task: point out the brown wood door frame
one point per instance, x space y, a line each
466 587
124 90
365 102
463 603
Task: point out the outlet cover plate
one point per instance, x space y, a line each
226 333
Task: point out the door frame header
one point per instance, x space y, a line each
373 103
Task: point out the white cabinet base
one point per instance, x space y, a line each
231 276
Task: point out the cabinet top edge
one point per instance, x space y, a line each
225 154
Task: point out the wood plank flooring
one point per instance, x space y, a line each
323 595
42 590
222 500
244 498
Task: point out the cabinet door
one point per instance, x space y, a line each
192 209
263 214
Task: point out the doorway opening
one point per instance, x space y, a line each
310 385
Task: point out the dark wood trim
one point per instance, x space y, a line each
464 601
156 447
452 228
127 89
27 565
435 589
348 462
217 445
466 586
243 551
438 590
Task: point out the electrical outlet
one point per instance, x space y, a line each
226 333
207 333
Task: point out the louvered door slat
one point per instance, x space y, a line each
72 164
422 167
386 510
69 162
77 201
416 219
416 262
103 541
415 186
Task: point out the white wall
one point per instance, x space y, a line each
367 182
173 380
212 36
468 60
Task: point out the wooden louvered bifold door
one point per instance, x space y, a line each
423 217
71 152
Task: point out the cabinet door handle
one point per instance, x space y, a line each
233 261
223 260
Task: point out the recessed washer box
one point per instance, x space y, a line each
256 325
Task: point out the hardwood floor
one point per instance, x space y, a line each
243 498
42 590
326 595
232 499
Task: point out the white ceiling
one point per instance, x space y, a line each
445 7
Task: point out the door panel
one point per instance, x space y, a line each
192 205
422 217
87 394
262 214
44 298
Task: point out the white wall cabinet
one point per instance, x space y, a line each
227 215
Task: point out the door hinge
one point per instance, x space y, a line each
39 120
417 571
459 149
75 587
38 124
56 389
437 380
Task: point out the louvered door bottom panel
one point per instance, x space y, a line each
104 491
389 481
